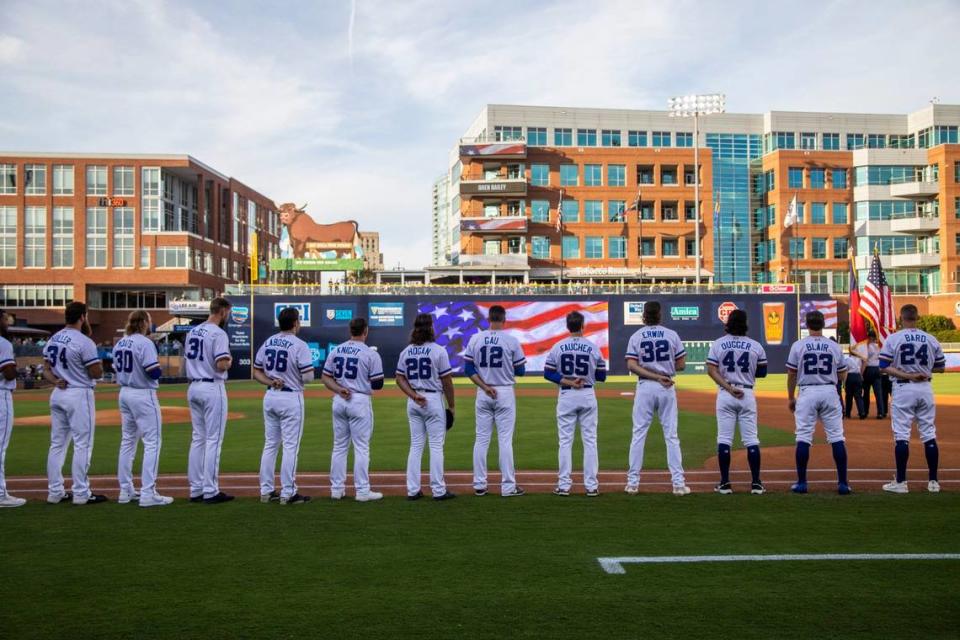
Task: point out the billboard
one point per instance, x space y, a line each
306 245
316 264
385 314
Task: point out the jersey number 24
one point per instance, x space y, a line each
910 354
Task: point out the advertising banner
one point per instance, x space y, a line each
385 314
316 264
239 328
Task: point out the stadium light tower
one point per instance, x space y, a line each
694 106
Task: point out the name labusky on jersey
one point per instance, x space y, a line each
285 357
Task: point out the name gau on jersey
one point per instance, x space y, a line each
494 354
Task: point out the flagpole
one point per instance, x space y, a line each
560 227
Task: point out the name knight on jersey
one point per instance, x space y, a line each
347 350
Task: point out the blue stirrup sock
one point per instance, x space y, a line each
932 452
753 459
803 457
901 452
723 455
840 458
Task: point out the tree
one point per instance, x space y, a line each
935 324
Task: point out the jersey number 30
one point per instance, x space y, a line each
123 360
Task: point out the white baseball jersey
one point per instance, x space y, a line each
354 365
912 351
737 359
285 357
854 364
69 353
132 356
495 354
817 361
576 357
6 358
423 365
205 344
657 349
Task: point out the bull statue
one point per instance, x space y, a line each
300 231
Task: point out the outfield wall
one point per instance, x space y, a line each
537 320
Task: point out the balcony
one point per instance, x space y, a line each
502 260
507 187
920 225
915 190
917 259
485 147
500 224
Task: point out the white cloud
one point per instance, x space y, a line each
10 49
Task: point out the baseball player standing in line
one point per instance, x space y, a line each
138 373
816 365
853 387
423 373
655 354
493 360
73 368
911 357
283 364
8 382
734 363
576 364
353 371
207 357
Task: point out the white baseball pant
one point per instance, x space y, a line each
732 412
577 406
139 420
6 429
913 401
72 416
208 413
352 423
652 397
502 414
819 402
426 424
282 426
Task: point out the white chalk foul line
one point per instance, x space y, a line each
615 565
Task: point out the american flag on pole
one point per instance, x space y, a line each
827 307
537 325
560 213
876 301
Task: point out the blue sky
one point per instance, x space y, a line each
358 121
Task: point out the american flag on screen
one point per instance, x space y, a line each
537 325
827 307
876 301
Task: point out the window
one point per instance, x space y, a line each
661 138
571 211
644 174
886 174
540 175
770 181
671 247
945 134
646 247
689 176
690 248
841 282
537 136
818 212
592 175
818 248
617 247
616 211
876 141
684 139
855 141
539 211
800 212
540 247
593 247
785 140
795 177
586 137
96 237
689 212
569 175
63 179
8 179
900 141
797 248
173 257
97 180
151 299
646 211
507 133
956 207
808 140
563 137
818 179
610 138
592 211
123 237
571 247
151 181
616 175
13 295
35 237
668 175
840 213
831 142
63 236
885 210
35 179
839 178
668 211
123 181
841 247
145 258
637 138
8 237
490 248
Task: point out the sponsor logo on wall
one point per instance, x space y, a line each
633 312
688 312
338 314
723 311
385 314
238 315
302 307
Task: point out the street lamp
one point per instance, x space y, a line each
694 106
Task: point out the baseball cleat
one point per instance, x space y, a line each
93 498
9 501
127 498
681 490
295 499
560 491
217 499
896 487
336 494
273 496
724 489
593 493
844 489
415 496
155 501
198 498
57 499
446 496
480 492
933 486
631 489
799 487
369 496
757 488
516 493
